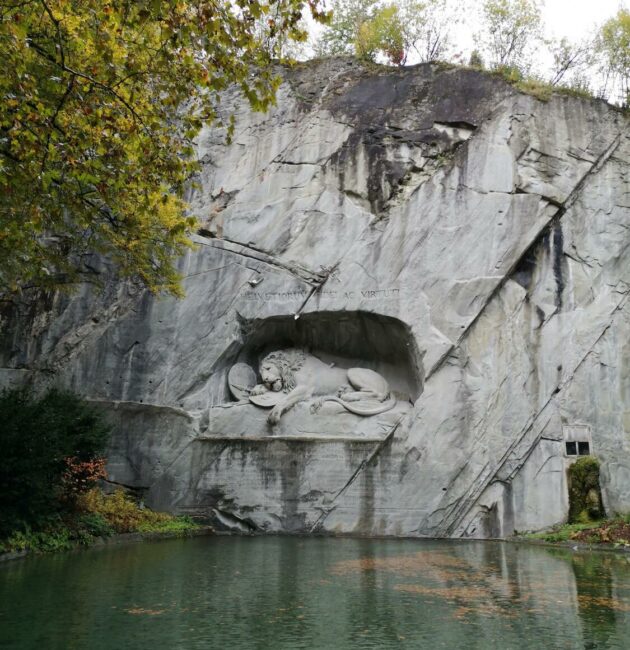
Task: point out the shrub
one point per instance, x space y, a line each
123 515
95 525
42 439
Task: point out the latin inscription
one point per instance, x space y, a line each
291 296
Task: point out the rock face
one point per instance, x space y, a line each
468 243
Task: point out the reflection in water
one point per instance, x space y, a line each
281 592
597 605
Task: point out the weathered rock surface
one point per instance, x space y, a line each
468 242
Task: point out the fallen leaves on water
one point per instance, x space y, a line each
414 564
476 589
139 611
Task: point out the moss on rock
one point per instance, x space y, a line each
585 499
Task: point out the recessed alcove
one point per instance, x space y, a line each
346 339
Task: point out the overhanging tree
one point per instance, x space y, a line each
99 105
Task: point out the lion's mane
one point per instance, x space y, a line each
288 363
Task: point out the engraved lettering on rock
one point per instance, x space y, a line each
275 296
372 294
300 295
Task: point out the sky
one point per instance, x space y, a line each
571 18
574 18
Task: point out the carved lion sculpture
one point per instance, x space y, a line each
301 376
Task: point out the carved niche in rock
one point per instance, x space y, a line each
293 375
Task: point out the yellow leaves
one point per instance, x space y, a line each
88 105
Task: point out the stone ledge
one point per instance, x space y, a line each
242 421
292 438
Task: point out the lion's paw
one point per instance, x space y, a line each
274 416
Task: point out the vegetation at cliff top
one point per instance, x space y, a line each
510 35
50 468
99 105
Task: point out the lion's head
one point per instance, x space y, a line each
277 369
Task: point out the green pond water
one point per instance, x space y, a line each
289 592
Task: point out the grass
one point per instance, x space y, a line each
58 534
178 525
563 533
615 530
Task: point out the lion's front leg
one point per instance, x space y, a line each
296 395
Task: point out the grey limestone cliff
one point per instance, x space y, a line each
468 242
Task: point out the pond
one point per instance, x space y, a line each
291 592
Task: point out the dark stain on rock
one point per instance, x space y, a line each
558 263
525 270
388 109
366 505
291 483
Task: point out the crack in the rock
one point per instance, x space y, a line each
125 485
292 163
309 276
71 344
576 257
451 522
570 200
330 272
365 271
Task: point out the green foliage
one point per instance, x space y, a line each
94 515
340 36
476 60
613 45
511 29
54 539
38 435
585 503
59 534
95 524
367 28
537 87
177 525
99 105
615 531
563 533
124 515
511 73
383 32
